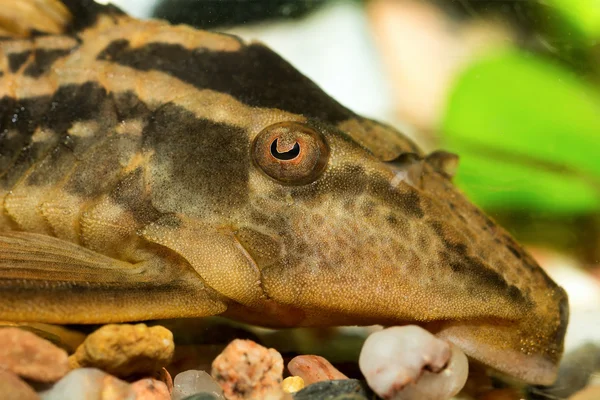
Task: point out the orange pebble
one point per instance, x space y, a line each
314 369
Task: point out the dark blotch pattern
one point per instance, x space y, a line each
404 199
86 13
43 60
131 194
129 106
254 75
198 165
102 165
73 103
391 219
411 203
457 257
18 121
16 60
57 113
514 251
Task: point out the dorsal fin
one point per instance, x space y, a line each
26 18
22 18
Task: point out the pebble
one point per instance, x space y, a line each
575 371
13 388
59 336
126 350
314 369
150 389
408 362
292 384
89 383
31 357
193 382
346 389
203 396
247 370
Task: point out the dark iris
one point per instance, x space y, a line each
286 155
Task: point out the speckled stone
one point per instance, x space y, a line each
150 389
13 388
126 350
30 356
344 389
246 370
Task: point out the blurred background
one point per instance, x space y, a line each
513 87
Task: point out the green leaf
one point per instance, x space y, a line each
528 133
584 14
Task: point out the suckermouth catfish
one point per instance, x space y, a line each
157 171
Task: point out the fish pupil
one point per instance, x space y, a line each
286 155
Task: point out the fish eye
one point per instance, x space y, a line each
290 152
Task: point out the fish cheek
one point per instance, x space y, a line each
213 252
263 248
360 248
331 249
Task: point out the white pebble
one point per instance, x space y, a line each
191 382
88 383
408 362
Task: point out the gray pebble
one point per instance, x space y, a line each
575 372
350 396
202 396
344 389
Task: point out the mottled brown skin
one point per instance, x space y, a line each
134 187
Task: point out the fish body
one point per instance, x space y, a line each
156 171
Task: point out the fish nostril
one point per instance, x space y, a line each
408 168
405 159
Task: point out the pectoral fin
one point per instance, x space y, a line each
44 279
